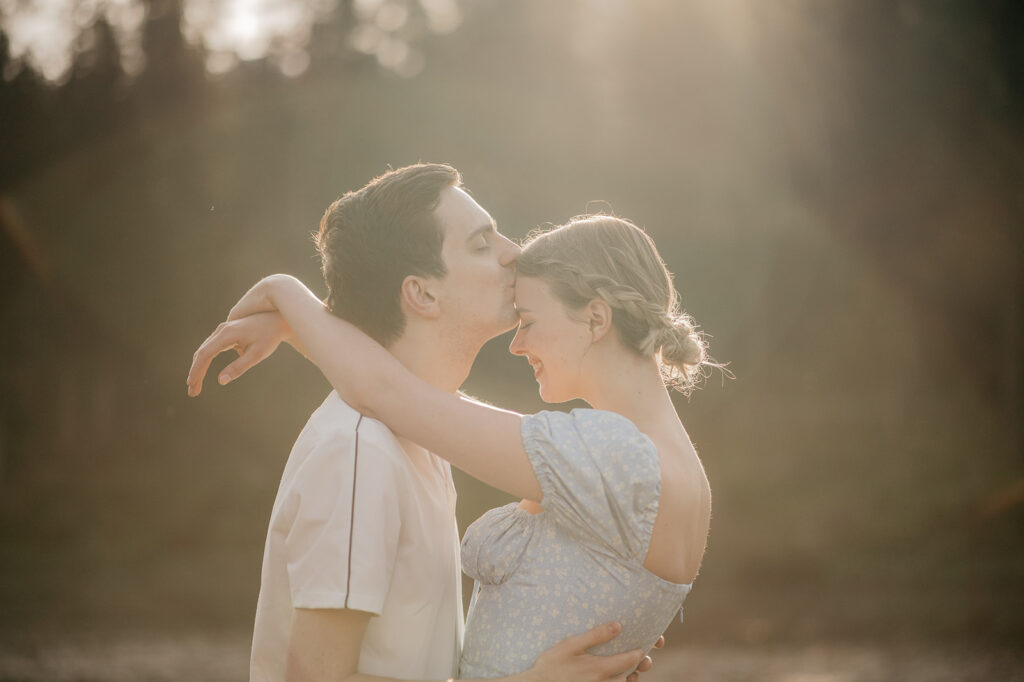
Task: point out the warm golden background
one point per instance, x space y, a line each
838 186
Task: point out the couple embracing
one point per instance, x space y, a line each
361 568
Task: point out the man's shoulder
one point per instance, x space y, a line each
337 429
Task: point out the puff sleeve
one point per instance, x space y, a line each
599 476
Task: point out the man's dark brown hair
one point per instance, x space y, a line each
371 239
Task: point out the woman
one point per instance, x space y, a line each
616 506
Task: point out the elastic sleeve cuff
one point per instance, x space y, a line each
535 442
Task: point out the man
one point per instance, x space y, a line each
361 566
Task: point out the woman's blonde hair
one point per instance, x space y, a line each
606 257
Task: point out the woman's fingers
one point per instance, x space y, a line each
255 338
660 643
213 346
246 360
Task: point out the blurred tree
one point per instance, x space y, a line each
838 186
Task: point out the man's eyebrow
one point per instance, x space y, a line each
483 229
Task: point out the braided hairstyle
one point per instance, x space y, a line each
606 257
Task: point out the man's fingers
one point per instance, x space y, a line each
605 666
599 634
620 663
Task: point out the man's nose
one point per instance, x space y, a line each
510 252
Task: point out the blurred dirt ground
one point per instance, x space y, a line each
218 658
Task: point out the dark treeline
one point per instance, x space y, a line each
838 188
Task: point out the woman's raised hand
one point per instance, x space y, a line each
254 337
254 329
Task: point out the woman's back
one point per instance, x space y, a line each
684 513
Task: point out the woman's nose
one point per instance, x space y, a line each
516 347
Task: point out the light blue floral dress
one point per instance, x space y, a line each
543 577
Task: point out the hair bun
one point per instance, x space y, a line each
683 348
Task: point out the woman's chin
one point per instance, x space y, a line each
542 392
550 396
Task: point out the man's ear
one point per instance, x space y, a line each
599 317
419 297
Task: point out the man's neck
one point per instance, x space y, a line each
434 358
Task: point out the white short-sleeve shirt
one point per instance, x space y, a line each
362 523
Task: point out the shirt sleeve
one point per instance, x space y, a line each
343 541
599 476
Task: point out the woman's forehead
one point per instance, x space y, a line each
532 293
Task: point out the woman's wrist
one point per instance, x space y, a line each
266 296
272 287
288 336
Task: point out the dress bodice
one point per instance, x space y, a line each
543 577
